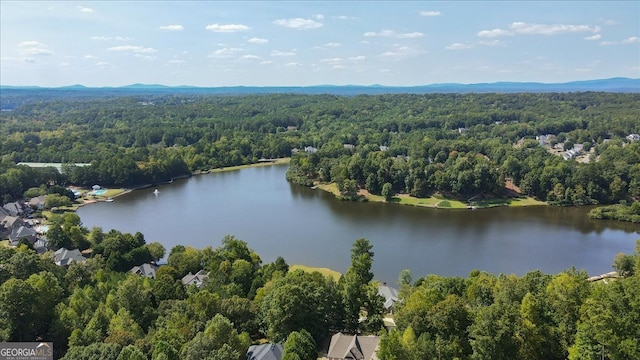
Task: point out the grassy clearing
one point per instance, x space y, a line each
324 271
438 200
239 167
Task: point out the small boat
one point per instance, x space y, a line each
109 200
156 192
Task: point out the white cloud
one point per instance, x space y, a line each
103 64
31 43
174 27
332 44
28 60
91 57
64 64
402 51
430 13
227 28
256 40
85 10
544 29
519 27
593 37
292 64
36 52
133 48
266 62
459 46
630 40
225 52
391 33
491 43
318 16
494 33
357 58
176 61
283 53
251 57
298 23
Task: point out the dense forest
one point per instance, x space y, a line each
462 145
96 309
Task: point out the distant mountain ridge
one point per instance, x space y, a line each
618 84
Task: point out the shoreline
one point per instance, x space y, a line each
116 192
439 201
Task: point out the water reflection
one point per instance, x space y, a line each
311 227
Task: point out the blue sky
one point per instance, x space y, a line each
272 43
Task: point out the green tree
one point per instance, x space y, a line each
131 352
299 345
355 282
387 191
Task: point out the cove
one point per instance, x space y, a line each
311 227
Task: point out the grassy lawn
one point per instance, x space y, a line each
440 201
239 167
324 271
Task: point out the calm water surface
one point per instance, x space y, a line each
310 227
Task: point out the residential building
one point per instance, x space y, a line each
390 296
198 279
146 270
64 257
633 137
353 347
265 352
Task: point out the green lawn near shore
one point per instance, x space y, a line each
239 167
324 271
439 201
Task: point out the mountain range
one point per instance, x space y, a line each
604 85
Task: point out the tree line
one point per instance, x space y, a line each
98 309
461 145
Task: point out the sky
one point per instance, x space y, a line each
305 43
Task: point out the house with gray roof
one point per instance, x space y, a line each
198 279
353 347
17 208
23 232
265 352
146 270
390 296
65 257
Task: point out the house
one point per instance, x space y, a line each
310 149
198 279
23 232
295 151
17 208
349 146
37 202
545 139
64 257
265 352
633 137
40 246
9 223
462 130
353 347
146 270
384 148
390 296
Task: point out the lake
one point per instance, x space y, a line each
311 227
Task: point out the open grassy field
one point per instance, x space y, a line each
324 271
